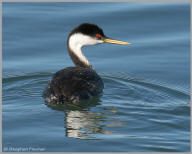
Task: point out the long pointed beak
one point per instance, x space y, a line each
108 40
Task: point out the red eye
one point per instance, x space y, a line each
98 35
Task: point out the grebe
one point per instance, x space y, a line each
74 84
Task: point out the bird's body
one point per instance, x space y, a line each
74 84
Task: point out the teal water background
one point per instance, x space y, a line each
145 106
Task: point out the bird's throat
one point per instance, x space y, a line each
77 55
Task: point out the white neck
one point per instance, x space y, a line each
76 42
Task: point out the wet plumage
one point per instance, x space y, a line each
73 84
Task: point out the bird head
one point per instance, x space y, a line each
91 34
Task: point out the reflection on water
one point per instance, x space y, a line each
80 122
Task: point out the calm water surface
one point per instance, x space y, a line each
145 105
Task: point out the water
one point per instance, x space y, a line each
145 105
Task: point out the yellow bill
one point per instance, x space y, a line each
107 40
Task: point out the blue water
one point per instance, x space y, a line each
145 105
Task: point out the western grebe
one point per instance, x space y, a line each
74 84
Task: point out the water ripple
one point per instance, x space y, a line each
119 87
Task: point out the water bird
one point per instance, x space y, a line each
74 84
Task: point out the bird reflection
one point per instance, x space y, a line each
80 122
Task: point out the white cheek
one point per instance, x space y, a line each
82 40
90 41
